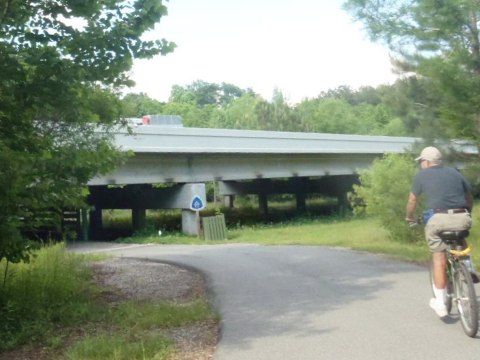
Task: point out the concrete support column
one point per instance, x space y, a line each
263 204
264 185
343 203
229 201
139 218
84 224
189 217
301 202
300 185
96 222
139 212
190 222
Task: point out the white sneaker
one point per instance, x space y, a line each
439 308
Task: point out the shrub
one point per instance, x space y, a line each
383 193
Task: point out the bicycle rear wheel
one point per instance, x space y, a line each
466 300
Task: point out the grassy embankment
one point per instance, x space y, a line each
363 234
51 308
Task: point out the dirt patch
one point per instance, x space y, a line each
133 279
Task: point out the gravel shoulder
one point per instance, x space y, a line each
135 279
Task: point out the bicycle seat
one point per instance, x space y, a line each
453 235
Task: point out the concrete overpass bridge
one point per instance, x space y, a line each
188 155
258 162
242 162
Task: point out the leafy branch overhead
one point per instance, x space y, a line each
96 40
62 61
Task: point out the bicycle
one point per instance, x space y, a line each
460 288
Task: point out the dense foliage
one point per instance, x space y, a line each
386 110
384 192
439 41
59 61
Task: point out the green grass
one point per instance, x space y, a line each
357 234
115 347
138 331
143 316
52 289
363 234
50 300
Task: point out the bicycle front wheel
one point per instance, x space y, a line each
466 300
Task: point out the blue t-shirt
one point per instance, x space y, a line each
443 187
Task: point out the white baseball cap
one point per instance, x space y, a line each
430 153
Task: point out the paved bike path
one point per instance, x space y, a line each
311 303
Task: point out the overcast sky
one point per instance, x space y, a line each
301 48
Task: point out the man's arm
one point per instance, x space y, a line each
469 201
411 206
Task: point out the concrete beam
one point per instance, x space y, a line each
328 185
146 196
151 168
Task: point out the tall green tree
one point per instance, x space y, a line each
241 114
328 115
138 105
203 93
59 61
412 101
438 40
366 94
193 115
276 115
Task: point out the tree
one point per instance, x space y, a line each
412 100
59 61
336 116
203 93
439 42
191 114
240 114
366 94
276 115
138 105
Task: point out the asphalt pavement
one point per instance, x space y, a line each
314 303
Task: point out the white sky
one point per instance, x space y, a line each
300 47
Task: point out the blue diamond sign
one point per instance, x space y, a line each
197 203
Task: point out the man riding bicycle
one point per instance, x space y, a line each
449 203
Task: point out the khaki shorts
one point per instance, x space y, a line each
441 222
